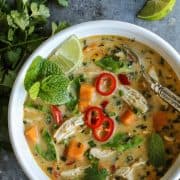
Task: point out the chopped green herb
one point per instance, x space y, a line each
49 170
117 118
114 65
91 158
48 118
121 93
111 114
91 143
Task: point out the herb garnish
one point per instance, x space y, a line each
122 142
95 173
22 31
50 153
156 151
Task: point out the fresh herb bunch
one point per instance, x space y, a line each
22 30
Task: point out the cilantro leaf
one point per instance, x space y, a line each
17 19
39 11
95 173
156 151
58 27
10 34
63 3
12 57
122 142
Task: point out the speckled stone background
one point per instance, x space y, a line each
86 10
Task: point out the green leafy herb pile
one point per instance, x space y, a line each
23 28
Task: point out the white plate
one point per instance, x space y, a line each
18 94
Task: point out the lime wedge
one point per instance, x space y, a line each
156 9
68 55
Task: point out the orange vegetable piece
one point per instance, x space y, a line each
86 96
83 105
76 150
128 117
160 119
32 134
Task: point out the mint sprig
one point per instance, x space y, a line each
44 79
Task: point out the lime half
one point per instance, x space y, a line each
156 9
68 55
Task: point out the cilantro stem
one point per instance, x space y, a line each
23 43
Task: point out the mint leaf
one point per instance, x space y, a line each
50 153
63 2
114 65
122 142
49 68
156 151
33 72
34 90
54 89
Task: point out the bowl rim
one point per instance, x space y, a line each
98 23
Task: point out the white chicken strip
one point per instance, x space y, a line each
102 154
73 173
134 98
68 128
127 172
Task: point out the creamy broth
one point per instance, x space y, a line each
94 49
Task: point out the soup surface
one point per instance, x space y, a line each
114 126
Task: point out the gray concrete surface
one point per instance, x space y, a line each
86 10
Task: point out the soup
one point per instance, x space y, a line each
113 125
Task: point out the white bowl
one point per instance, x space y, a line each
18 94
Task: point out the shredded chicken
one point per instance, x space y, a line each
73 173
127 172
101 154
134 98
68 128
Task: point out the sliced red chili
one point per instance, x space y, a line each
93 117
123 79
105 130
57 114
104 104
105 84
